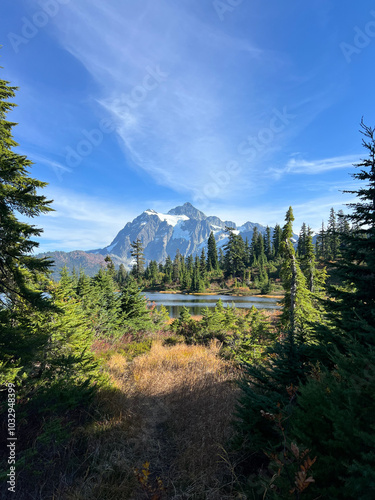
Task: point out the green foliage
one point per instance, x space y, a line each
134 311
19 271
160 317
335 419
266 384
212 257
185 325
138 254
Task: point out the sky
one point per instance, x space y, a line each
240 107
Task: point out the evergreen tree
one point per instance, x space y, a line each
105 304
202 263
152 272
268 243
335 414
21 274
254 250
138 254
332 236
134 311
354 306
234 258
221 259
19 270
176 267
276 240
110 265
212 257
298 310
265 390
121 275
343 229
301 245
321 243
168 270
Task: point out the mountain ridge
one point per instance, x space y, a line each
183 228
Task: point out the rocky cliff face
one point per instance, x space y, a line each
183 228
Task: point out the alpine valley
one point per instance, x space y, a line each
183 228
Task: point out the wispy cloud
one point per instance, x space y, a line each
187 126
81 221
298 165
55 166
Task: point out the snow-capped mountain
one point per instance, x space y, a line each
183 228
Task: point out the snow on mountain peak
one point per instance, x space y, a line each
171 220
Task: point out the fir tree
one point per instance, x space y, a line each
301 245
332 236
354 307
212 257
134 311
19 270
268 243
176 267
138 254
276 240
168 270
336 405
234 259
202 264
21 274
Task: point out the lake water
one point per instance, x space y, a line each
195 303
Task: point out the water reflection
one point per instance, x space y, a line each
195 303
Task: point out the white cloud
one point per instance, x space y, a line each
81 222
186 126
298 165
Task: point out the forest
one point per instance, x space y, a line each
105 397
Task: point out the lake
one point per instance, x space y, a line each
195 303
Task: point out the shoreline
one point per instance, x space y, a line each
178 292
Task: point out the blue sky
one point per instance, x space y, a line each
240 107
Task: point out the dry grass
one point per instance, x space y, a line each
168 416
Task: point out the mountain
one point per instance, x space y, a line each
183 228
75 260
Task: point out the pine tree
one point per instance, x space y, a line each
276 240
301 245
298 310
234 258
315 279
212 258
105 305
121 275
268 243
134 311
176 267
21 275
168 270
265 389
336 406
321 243
138 254
354 307
332 236
202 264
110 265
19 270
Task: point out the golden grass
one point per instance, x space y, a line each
167 416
